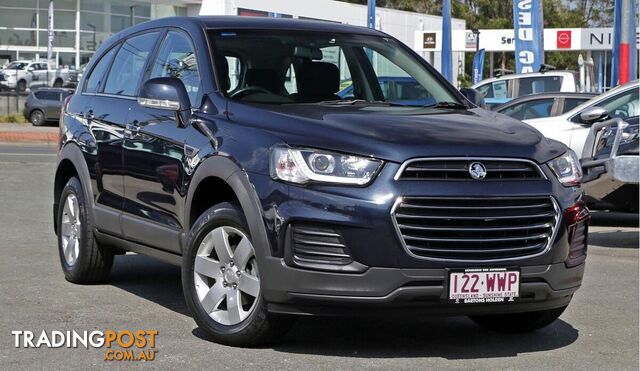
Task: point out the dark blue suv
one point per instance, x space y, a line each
220 144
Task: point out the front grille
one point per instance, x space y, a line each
458 169
475 229
318 245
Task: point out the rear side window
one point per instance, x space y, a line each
177 58
539 84
129 65
530 110
98 73
47 95
571 103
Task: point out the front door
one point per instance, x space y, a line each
160 154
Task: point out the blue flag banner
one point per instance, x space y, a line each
478 67
615 53
528 32
632 43
446 54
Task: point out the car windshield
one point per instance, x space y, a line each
283 67
16 66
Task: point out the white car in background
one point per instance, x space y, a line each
500 90
572 128
23 74
609 156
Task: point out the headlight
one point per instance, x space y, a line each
567 168
306 165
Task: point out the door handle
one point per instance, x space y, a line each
132 129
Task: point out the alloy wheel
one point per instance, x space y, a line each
226 276
70 228
37 118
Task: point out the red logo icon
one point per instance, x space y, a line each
563 39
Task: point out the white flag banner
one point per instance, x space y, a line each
50 33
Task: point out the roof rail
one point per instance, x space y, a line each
546 67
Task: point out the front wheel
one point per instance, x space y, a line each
519 322
221 280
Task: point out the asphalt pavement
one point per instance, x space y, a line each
599 330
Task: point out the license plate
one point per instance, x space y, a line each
484 285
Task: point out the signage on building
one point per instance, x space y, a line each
470 40
563 39
503 40
429 40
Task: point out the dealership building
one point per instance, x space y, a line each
80 26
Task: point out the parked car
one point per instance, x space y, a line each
278 202
44 105
397 89
74 77
23 74
542 105
573 127
503 89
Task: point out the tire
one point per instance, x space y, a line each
85 261
36 118
21 86
519 322
220 319
57 83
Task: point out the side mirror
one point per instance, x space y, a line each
31 69
593 114
474 97
166 93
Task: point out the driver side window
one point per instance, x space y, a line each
623 105
177 58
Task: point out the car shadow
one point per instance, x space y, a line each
446 337
150 279
615 238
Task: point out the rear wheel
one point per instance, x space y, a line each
21 86
83 260
221 280
36 118
519 322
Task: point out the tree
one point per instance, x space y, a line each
491 14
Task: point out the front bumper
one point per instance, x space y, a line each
613 174
383 275
298 291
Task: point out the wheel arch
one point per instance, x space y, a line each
71 162
219 170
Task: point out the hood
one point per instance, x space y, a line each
399 133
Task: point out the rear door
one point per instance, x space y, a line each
158 152
109 110
52 105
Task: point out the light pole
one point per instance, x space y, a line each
132 11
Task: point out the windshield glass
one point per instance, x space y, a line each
274 67
16 66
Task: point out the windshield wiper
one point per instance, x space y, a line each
447 105
360 101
